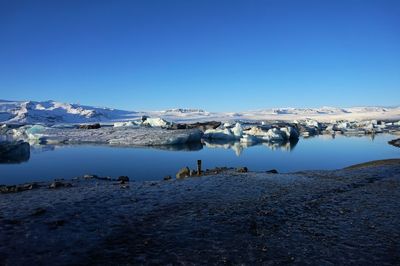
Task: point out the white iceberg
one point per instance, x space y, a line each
289 133
125 124
312 123
227 133
155 122
273 134
343 125
237 131
224 134
227 125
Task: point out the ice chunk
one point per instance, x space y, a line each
274 134
237 131
125 124
127 136
332 127
256 131
289 132
227 125
312 123
343 125
225 134
155 122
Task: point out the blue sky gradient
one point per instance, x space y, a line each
215 55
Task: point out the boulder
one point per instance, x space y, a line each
242 170
17 188
168 177
59 184
193 173
184 172
123 179
272 171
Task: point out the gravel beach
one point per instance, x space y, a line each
349 216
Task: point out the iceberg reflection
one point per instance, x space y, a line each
238 146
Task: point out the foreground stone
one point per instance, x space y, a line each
184 172
342 217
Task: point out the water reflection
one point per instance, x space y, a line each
153 163
14 152
238 146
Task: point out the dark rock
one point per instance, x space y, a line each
144 118
193 173
123 179
242 170
59 184
184 172
168 177
93 126
8 189
14 152
215 171
272 171
17 188
201 126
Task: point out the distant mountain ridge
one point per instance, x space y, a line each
53 112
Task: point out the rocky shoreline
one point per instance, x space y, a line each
229 216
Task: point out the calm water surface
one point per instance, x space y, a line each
320 152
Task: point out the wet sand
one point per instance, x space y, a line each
348 216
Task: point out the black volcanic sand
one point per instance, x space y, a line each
347 216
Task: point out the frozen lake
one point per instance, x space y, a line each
320 152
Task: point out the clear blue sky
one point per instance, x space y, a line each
216 55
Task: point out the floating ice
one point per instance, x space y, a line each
312 123
156 122
225 134
237 130
125 124
289 133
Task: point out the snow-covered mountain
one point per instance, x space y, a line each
52 112
55 112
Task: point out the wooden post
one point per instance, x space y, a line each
198 167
